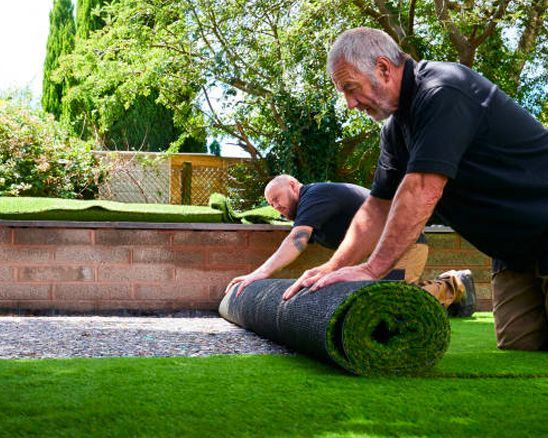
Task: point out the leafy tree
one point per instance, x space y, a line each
60 42
253 71
113 99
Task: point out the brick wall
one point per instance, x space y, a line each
105 269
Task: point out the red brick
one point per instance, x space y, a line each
177 257
208 276
267 239
135 273
6 273
455 258
132 237
5 235
156 305
237 256
24 291
92 254
56 273
442 240
27 305
484 306
216 293
103 291
483 291
75 306
51 236
211 238
173 291
17 254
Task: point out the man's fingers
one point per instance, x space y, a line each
307 282
292 290
243 284
233 283
322 282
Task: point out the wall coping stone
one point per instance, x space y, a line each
167 226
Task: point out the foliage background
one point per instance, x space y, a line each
252 73
38 158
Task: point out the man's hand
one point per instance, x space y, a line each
244 281
348 273
307 279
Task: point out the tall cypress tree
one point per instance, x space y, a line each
86 20
60 42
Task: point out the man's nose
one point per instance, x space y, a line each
351 102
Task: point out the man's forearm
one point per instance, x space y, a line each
413 205
288 251
363 234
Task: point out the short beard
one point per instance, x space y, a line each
384 108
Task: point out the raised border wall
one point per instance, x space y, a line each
104 267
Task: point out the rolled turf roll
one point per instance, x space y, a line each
367 328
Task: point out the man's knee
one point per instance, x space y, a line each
413 262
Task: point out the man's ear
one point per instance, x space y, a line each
293 187
383 68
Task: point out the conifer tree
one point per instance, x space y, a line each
86 20
60 42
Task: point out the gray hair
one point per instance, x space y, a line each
360 47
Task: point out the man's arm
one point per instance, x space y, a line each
359 241
288 251
413 205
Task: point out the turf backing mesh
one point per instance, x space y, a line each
367 328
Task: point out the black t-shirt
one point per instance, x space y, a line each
454 122
329 209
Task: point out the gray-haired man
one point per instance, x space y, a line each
453 142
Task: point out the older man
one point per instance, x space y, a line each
456 143
322 213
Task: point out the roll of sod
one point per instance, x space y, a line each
367 328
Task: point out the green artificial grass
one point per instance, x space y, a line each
367 328
498 393
28 208
389 328
261 215
78 210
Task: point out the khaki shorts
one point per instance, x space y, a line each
520 306
413 262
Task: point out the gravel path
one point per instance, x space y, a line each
99 336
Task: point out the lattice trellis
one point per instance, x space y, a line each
163 186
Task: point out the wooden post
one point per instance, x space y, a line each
186 182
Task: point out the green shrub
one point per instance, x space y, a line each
38 158
246 183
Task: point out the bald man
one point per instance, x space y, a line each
322 213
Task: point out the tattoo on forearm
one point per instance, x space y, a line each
300 239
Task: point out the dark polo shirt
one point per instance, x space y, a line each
329 209
454 122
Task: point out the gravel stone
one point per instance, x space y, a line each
24 337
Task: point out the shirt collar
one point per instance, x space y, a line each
407 90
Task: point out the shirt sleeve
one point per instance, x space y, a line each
444 123
392 162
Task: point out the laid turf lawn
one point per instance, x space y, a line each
475 391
